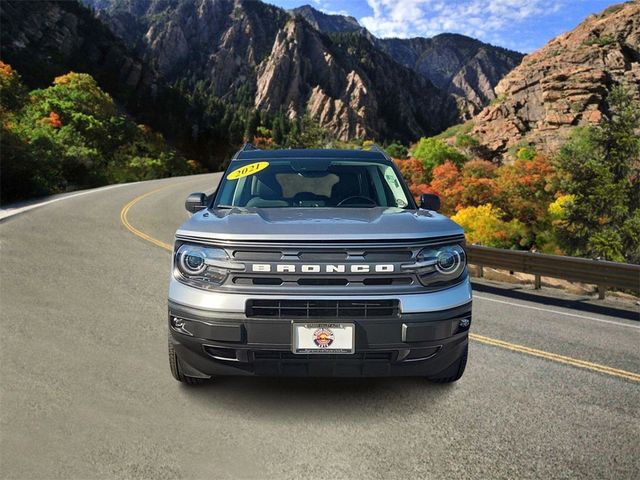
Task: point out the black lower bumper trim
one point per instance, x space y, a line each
413 344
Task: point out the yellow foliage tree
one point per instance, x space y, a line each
558 209
484 225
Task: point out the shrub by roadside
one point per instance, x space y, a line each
71 135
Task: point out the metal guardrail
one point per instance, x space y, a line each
595 272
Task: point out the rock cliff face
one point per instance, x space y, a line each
307 72
327 23
565 83
219 42
459 65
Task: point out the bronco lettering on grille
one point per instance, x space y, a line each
326 268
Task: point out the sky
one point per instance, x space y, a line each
522 25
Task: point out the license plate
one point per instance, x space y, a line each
323 337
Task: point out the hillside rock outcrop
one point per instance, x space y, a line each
564 84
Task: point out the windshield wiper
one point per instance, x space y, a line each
225 207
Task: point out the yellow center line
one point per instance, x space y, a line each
554 357
596 367
139 233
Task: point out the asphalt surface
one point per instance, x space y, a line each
86 390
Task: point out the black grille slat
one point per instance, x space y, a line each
322 281
385 356
322 308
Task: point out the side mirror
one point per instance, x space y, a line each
429 201
195 202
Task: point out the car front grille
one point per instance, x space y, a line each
341 256
267 308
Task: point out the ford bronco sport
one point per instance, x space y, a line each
317 263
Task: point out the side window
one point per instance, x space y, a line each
391 180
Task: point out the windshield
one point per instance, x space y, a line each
311 183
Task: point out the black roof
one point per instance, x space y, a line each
311 153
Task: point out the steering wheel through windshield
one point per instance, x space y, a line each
355 200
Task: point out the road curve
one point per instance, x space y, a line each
86 390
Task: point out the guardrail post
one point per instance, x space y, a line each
480 271
537 282
601 291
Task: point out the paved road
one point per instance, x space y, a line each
86 389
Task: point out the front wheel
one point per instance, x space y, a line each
454 372
174 364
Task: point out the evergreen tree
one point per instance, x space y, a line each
251 125
600 169
279 130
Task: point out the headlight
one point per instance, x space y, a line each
201 266
439 264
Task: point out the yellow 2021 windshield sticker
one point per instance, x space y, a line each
247 170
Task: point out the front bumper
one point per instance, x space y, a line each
212 342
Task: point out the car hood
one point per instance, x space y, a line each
313 224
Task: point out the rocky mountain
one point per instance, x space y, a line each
349 86
459 65
328 23
210 63
219 42
564 84
249 52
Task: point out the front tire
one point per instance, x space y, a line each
454 372
174 364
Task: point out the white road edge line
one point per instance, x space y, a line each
10 212
602 320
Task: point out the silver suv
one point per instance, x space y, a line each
317 263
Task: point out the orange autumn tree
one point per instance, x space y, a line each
12 92
447 180
478 183
412 170
526 188
53 119
472 185
417 190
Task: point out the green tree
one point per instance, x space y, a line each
71 135
278 130
12 91
251 125
397 150
433 152
312 135
236 130
600 168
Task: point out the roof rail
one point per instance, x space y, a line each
247 147
377 148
